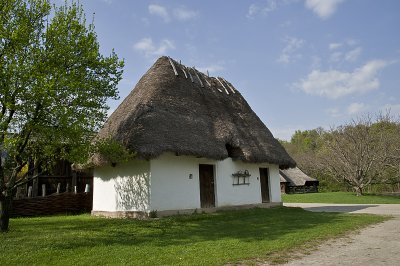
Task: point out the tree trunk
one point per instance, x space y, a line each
358 191
5 207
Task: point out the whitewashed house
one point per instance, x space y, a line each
198 145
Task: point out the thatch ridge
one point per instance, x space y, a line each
185 115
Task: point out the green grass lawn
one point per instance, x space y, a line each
339 197
200 239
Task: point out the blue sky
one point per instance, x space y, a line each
300 64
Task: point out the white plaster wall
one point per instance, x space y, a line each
228 194
275 185
122 188
245 194
131 187
172 189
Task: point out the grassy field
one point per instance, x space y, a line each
200 239
339 197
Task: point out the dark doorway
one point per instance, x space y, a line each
207 195
264 180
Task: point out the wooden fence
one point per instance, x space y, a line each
64 203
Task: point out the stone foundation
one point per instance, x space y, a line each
144 215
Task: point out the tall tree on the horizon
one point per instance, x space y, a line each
354 156
53 88
363 152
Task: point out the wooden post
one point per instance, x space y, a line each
58 188
43 190
173 66
74 183
18 195
35 186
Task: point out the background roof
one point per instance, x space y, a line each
295 176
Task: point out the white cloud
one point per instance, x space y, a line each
334 84
323 8
147 46
284 58
255 9
160 11
213 68
355 108
288 53
353 55
180 13
164 46
351 42
333 46
184 14
344 51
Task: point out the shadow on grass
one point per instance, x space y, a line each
338 208
66 232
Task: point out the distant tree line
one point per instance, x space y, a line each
361 155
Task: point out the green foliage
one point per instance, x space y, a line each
308 140
55 81
54 84
113 151
328 184
234 237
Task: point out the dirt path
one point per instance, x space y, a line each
376 245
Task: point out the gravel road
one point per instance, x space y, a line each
376 245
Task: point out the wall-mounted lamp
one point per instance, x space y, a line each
190 176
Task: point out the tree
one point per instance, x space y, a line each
305 148
53 88
363 151
308 140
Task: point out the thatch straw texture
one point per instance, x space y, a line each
190 114
295 177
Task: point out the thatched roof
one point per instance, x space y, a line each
295 177
282 180
178 109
